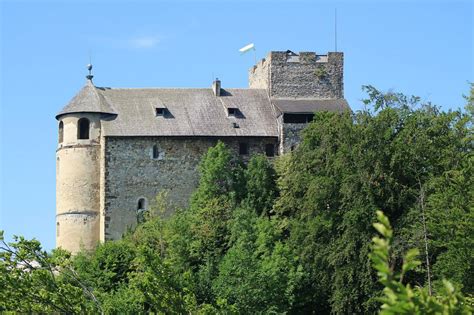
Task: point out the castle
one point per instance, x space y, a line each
118 148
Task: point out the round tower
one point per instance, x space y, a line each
78 159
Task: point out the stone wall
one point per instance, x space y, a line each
291 136
306 75
132 173
259 75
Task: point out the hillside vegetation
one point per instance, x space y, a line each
294 235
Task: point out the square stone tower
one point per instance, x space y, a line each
304 75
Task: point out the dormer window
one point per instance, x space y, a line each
233 112
160 111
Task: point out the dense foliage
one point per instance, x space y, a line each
399 298
289 236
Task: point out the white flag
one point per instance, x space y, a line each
244 49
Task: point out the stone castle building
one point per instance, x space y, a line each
118 148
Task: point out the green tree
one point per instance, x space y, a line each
258 273
106 267
216 177
261 185
347 166
400 298
34 281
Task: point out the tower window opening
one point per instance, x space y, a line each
141 204
57 229
243 148
269 150
83 128
61 132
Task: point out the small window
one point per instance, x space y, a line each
141 204
243 148
156 152
160 111
83 128
141 209
232 112
297 118
57 229
269 150
61 132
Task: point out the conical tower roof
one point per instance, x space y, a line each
88 100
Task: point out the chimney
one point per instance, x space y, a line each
216 87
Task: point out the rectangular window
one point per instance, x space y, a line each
232 112
156 152
269 150
160 111
243 148
297 118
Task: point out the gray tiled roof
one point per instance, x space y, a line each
87 100
310 105
192 112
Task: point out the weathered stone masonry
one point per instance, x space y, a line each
132 173
306 75
118 148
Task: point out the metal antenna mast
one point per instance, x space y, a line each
335 29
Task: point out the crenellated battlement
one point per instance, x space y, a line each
286 74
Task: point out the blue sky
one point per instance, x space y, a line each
423 48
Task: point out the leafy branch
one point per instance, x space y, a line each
403 299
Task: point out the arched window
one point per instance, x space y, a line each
57 229
141 204
83 128
156 152
141 210
61 132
